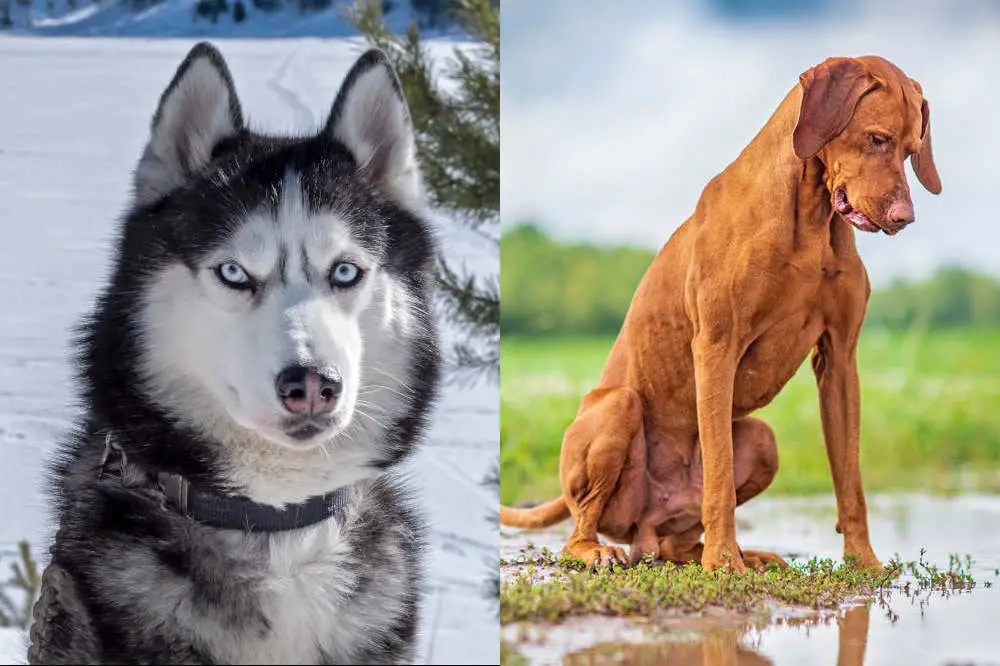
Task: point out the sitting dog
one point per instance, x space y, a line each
260 361
762 273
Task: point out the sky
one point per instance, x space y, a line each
614 116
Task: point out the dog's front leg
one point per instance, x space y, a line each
714 375
835 365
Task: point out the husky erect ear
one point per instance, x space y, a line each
198 109
370 116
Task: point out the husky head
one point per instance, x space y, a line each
270 299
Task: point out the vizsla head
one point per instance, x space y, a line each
863 117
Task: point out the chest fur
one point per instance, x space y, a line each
809 290
303 594
309 598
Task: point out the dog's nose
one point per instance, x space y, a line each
308 391
900 213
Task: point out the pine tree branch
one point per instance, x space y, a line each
473 307
24 577
492 481
470 302
7 610
457 133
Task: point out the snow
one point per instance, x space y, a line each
13 646
72 125
69 18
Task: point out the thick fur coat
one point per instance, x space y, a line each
241 255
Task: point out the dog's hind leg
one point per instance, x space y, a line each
755 466
755 463
755 457
683 547
603 473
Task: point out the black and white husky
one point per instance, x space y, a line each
262 358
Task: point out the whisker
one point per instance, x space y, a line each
368 416
379 408
391 376
375 387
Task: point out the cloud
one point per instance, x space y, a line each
614 118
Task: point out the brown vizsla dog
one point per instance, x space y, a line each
765 271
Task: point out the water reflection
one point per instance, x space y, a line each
905 626
727 647
853 636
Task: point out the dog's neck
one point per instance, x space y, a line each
806 192
773 143
229 512
225 459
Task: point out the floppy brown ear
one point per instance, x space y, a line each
830 91
923 159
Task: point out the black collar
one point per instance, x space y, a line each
231 512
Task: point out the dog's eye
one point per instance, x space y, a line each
233 275
880 143
345 274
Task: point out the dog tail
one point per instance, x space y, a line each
536 517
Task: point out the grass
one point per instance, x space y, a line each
648 588
509 655
930 413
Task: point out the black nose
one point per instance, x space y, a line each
308 391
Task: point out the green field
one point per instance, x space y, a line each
930 415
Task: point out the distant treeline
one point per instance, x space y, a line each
429 14
554 288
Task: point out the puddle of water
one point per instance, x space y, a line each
722 649
955 630
734 645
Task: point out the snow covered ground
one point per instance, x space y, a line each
73 119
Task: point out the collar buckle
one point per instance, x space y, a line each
111 448
176 488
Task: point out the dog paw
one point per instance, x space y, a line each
637 555
863 558
723 556
604 557
760 559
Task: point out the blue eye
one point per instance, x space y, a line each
233 275
345 274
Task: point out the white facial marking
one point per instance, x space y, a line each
212 353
